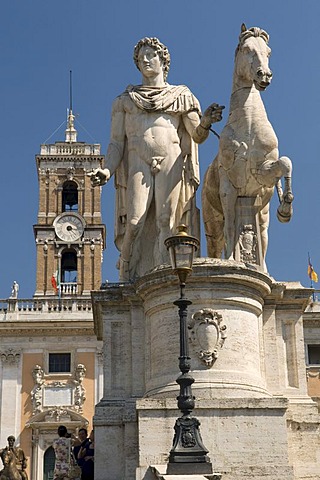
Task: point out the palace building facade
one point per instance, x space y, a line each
50 359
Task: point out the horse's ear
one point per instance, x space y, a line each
243 28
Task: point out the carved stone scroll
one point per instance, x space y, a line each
36 392
57 395
10 356
79 390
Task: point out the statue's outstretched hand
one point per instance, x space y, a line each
99 176
211 115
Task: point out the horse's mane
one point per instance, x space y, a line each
252 32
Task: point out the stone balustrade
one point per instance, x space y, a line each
69 288
49 305
72 149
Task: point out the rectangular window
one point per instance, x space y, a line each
313 354
59 362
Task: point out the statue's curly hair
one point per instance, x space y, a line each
159 47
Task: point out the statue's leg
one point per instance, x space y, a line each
271 170
264 224
214 227
285 211
228 197
287 174
212 215
168 183
139 196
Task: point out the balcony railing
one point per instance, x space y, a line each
49 305
70 149
69 288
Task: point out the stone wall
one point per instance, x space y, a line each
257 420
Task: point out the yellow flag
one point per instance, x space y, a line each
311 273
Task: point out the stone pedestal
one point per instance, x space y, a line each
224 291
247 361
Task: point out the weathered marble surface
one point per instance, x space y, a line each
153 153
248 163
257 419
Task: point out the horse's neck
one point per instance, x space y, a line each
13 472
11 469
245 103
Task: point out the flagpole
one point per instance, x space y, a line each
59 290
311 286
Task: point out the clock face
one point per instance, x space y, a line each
69 228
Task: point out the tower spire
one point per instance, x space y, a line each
71 132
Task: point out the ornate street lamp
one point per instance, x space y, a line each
188 454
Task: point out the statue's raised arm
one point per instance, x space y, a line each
240 182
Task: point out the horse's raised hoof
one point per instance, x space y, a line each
285 211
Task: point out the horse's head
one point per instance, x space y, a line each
252 58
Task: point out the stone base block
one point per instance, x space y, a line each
189 468
245 438
160 472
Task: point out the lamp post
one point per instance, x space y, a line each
188 454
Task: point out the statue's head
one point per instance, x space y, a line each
37 373
160 49
11 439
80 372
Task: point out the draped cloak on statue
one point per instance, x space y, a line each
173 100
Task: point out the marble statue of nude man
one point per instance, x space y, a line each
153 153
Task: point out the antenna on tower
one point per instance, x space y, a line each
70 88
71 132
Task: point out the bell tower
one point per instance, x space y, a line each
69 235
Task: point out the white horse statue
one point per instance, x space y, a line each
248 163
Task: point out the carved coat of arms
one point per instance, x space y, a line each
207 334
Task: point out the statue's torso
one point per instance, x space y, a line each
151 134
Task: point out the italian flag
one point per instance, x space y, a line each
55 281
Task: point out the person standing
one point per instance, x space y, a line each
86 453
79 443
62 451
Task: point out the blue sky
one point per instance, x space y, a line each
40 41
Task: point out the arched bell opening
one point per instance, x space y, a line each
69 271
70 197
